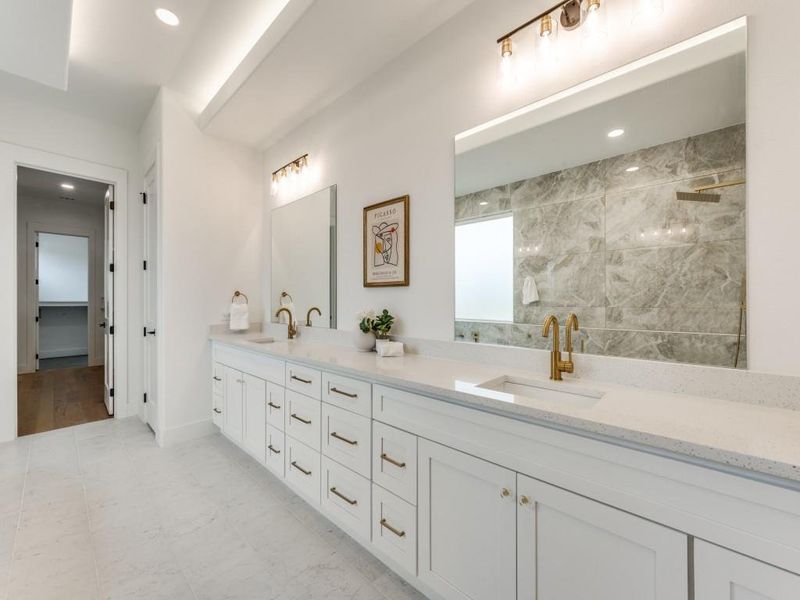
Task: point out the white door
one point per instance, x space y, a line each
255 416
150 270
233 413
570 548
467 525
721 574
36 310
108 300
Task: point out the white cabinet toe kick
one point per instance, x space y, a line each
467 505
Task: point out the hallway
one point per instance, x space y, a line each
52 399
99 511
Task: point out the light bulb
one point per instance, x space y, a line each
593 27
646 11
508 68
547 42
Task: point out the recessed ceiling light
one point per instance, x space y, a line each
67 186
632 169
615 133
168 17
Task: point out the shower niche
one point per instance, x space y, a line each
622 201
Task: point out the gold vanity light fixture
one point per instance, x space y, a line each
288 172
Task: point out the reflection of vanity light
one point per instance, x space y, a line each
615 133
593 25
483 203
683 229
631 169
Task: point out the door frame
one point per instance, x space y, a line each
152 179
13 156
35 228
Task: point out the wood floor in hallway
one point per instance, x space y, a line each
59 398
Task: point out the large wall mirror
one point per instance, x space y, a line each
622 201
304 259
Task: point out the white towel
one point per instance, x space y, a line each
240 317
387 348
530 293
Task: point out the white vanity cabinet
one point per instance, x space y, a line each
233 413
570 547
218 394
467 525
254 431
721 574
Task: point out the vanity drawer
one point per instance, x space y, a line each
302 470
304 380
276 442
394 528
349 394
346 438
256 364
394 461
346 497
275 409
301 418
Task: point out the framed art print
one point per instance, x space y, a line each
386 243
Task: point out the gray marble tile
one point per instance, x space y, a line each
657 164
697 348
653 216
573 227
693 276
484 203
560 186
571 280
483 332
678 318
715 151
535 314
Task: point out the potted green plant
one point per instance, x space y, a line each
364 337
382 326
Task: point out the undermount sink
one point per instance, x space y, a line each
266 340
540 390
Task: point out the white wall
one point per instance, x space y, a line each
63 331
78 144
211 239
63 268
394 135
55 216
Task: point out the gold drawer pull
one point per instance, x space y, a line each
275 406
344 439
341 393
301 419
300 379
273 450
299 468
343 497
392 461
397 532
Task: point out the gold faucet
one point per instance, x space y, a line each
292 326
308 315
557 366
572 324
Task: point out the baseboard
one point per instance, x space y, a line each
61 352
183 433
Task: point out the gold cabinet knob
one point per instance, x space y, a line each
524 500
505 493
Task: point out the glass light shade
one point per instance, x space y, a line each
646 10
508 72
593 25
546 42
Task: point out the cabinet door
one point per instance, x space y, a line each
233 413
467 525
721 574
571 547
255 416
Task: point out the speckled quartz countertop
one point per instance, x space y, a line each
759 439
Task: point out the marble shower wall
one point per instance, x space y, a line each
648 275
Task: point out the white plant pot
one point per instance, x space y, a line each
364 342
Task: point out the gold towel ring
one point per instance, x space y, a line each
286 295
238 294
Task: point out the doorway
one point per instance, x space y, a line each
65 254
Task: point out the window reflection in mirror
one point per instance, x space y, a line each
623 203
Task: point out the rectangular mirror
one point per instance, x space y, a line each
304 259
621 200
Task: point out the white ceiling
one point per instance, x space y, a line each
44 185
40 24
334 46
120 54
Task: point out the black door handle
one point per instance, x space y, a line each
152 332
103 324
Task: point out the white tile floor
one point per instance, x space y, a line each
99 511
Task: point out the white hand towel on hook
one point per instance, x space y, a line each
530 293
240 315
